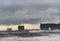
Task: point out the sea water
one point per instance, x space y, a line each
51 37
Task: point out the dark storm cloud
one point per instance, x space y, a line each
29 11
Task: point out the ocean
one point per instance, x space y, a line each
51 37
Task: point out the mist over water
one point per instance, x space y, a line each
51 37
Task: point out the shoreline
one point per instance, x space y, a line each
27 33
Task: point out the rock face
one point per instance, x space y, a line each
50 25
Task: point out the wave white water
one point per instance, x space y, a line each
51 37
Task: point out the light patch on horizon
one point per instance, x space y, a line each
4 27
15 27
31 26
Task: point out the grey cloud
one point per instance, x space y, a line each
29 11
28 2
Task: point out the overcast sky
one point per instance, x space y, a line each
29 11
